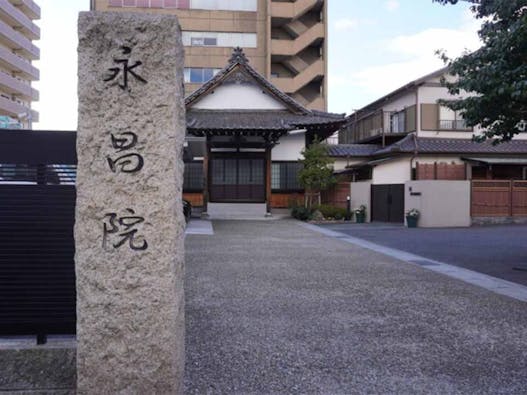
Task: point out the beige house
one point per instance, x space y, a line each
406 136
285 40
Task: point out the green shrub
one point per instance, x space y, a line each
301 213
329 211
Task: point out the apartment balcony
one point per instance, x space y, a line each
18 20
290 85
14 109
372 135
295 9
454 125
17 42
317 103
313 36
17 88
28 7
18 66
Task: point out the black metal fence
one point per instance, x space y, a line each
37 211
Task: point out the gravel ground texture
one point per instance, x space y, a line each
276 308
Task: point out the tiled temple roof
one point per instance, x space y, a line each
257 120
296 116
427 145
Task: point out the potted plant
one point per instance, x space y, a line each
412 216
360 214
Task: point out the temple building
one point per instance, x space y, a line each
245 137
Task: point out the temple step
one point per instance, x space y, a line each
245 211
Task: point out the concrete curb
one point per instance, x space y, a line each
493 284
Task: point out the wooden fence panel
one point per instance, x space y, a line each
286 200
426 171
441 171
338 195
491 198
451 171
519 198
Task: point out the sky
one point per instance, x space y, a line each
375 46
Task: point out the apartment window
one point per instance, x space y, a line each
284 176
203 41
219 39
198 75
227 5
397 122
450 119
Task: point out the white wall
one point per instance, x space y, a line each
361 195
395 171
431 94
401 103
238 97
343 163
290 147
441 203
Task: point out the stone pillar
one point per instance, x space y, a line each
129 222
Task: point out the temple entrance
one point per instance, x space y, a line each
237 177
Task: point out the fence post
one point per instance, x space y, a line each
511 185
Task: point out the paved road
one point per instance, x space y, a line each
272 307
493 250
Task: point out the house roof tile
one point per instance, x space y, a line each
350 150
424 145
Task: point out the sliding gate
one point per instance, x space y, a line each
37 212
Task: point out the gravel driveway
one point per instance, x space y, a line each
276 308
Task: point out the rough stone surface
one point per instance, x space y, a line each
48 370
130 303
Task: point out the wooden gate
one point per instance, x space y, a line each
499 198
387 203
238 178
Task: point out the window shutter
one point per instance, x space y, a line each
429 116
410 119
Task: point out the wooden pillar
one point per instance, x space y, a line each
206 159
268 190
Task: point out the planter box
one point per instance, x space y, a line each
411 222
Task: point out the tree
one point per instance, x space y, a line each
317 173
495 74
